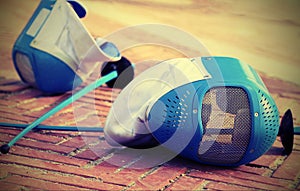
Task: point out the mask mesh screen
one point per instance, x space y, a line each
24 65
226 122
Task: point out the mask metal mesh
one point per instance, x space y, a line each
24 65
226 122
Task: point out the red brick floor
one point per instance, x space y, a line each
54 160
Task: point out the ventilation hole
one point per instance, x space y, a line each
270 124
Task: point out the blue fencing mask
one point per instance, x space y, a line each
55 53
214 110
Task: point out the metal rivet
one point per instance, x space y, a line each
195 111
256 114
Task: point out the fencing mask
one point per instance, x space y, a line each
214 110
54 52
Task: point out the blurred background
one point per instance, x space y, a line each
262 33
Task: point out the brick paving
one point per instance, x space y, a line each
55 160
